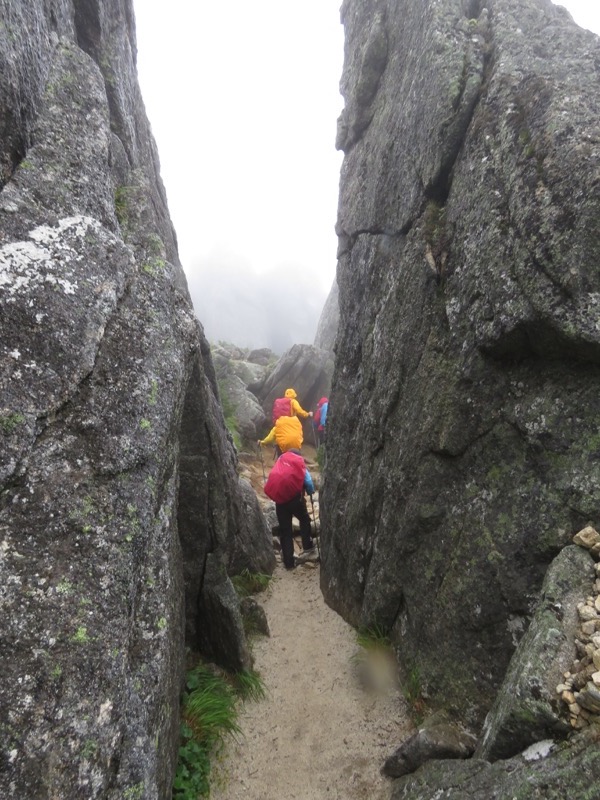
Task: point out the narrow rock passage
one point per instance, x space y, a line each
319 733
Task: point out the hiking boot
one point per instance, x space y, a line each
306 554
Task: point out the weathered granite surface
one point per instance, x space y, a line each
462 451
548 770
527 708
438 737
117 476
236 369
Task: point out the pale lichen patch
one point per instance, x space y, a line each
26 265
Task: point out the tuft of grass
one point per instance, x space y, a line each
412 689
412 685
210 713
209 708
249 685
373 638
81 635
209 716
247 583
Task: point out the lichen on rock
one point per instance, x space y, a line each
118 479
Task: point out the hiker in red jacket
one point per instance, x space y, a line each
288 482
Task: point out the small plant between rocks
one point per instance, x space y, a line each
413 694
373 638
247 583
375 661
210 709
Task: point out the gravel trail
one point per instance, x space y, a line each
320 733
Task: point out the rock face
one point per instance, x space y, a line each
236 369
467 355
117 477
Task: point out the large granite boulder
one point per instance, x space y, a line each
236 369
117 476
462 452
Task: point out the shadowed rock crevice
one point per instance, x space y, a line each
87 27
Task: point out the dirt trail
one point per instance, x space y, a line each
319 733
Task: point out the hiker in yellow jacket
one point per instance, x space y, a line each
296 408
286 433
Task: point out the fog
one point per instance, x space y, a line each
237 305
243 100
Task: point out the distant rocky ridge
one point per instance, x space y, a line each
466 370
121 510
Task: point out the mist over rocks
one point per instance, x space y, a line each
466 373
237 304
118 479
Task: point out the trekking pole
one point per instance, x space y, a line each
262 463
317 538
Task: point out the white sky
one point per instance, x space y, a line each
243 99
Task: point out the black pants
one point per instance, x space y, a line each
285 513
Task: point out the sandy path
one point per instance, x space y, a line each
319 733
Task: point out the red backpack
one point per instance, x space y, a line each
286 479
282 407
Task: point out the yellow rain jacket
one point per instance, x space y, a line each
296 407
286 433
